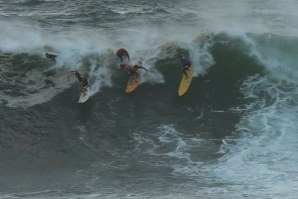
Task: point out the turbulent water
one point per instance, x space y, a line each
232 135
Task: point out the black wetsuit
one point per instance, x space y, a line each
83 81
185 64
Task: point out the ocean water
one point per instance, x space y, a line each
232 135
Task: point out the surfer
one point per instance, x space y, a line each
124 58
51 57
125 63
121 53
185 64
132 70
83 82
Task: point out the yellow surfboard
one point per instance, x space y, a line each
185 81
133 83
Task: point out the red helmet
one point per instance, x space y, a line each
121 52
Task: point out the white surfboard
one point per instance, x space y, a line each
84 98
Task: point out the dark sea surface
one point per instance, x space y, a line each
232 135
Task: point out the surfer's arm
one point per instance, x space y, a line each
184 72
142 68
128 56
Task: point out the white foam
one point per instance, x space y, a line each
144 46
41 92
262 155
277 54
240 17
174 150
102 78
129 9
110 194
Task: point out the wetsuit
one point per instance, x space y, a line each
185 64
83 82
133 70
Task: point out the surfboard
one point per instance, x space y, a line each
84 98
185 81
133 83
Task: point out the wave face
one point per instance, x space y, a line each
232 135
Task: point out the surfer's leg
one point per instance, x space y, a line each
83 89
135 76
184 71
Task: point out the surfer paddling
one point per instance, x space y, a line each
51 57
185 64
83 82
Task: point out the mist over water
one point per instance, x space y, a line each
233 135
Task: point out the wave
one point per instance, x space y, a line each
212 55
233 130
261 150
